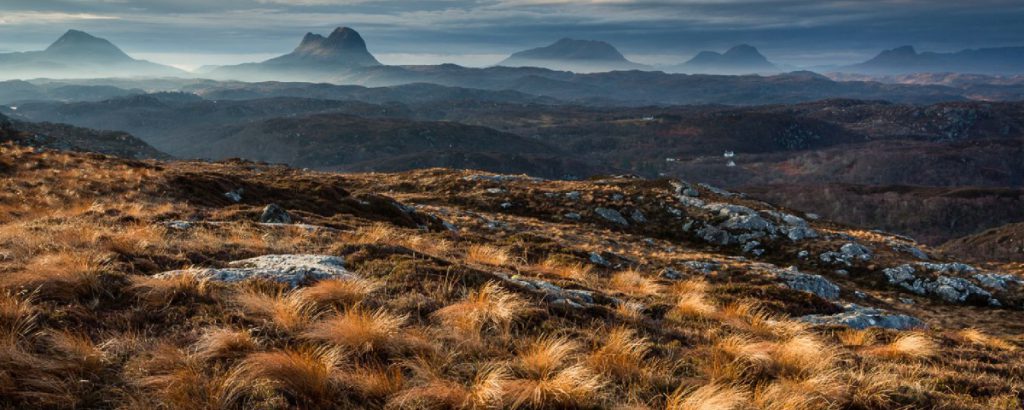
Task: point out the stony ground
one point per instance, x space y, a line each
144 284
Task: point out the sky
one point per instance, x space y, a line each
797 33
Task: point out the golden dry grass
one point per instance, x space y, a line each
487 255
489 305
289 312
342 292
222 343
911 346
979 338
709 397
359 330
622 356
634 283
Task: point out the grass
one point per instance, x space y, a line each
634 283
911 346
426 323
224 343
709 397
289 312
491 305
307 377
340 292
359 330
979 338
487 255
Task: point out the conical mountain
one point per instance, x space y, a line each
77 54
79 45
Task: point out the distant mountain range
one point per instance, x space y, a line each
77 54
906 60
741 59
582 56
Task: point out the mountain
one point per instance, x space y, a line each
907 60
573 55
741 59
78 54
344 49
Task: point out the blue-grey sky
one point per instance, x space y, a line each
190 33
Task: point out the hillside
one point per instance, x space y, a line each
1003 244
66 137
145 284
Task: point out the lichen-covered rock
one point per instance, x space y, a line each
275 214
848 254
862 317
294 270
812 283
947 288
703 266
999 281
611 215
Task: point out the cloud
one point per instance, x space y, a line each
35 17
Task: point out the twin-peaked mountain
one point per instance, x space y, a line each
567 54
77 54
741 59
343 47
315 57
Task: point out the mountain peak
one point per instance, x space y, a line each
343 46
573 55
742 58
79 44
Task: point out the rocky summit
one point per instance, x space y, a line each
236 284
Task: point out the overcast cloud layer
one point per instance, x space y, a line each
481 32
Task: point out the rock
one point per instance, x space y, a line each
702 266
799 233
853 250
861 317
597 259
180 225
294 270
957 290
751 247
806 282
690 192
580 295
573 196
275 214
638 216
617 197
999 281
849 253
713 235
234 196
955 267
506 205
803 254
947 288
612 216
717 191
572 216
671 274
495 191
